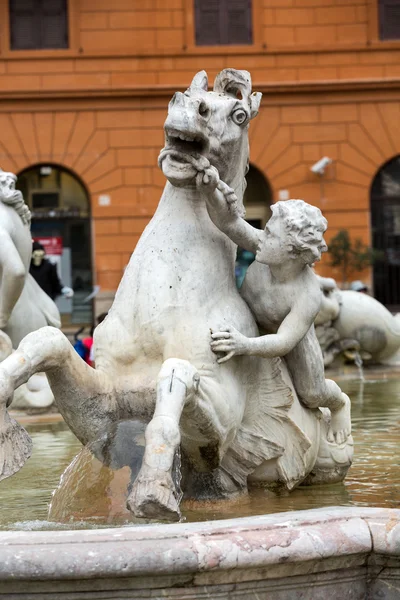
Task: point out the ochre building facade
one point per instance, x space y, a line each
330 84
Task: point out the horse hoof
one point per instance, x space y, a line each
154 498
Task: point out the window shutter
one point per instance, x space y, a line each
238 22
207 22
38 24
223 22
24 24
54 24
389 19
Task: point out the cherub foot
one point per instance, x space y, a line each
154 496
340 425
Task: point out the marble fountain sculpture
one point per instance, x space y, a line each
24 306
198 368
350 321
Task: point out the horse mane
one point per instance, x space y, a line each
15 199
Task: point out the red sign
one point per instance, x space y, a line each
52 245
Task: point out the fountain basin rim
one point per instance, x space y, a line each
277 540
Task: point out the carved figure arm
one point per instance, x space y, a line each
223 211
291 331
12 278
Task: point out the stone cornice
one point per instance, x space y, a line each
368 87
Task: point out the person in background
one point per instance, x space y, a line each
84 347
359 286
45 274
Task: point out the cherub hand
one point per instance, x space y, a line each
231 341
209 181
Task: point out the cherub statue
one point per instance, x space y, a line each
284 294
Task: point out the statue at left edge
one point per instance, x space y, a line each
24 306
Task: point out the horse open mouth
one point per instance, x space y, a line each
184 145
184 155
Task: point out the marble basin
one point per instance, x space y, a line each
338 553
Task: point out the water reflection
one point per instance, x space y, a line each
374 479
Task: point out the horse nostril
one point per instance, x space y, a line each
204 111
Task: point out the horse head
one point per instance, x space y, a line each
210 127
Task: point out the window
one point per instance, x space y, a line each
389 19
38 24
223 22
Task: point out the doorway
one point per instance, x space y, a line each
385 224
61 221
257 202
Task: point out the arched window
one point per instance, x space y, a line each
385 221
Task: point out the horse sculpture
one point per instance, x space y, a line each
238 422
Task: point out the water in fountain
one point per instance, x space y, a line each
373 480
359 364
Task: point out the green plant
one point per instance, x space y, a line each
351 255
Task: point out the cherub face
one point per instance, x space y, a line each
273 247
7 182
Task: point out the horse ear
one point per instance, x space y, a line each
200 81
254 101
233 82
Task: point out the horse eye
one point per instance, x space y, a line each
239 116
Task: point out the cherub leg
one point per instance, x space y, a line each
306 366
153 493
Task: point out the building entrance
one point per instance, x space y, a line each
60 210
385 222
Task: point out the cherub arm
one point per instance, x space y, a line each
222 207
13 277
291 331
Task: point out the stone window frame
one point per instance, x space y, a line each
73 33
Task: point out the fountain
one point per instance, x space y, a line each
185 386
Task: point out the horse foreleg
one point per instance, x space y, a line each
83 395
153 493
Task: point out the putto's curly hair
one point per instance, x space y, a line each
305 227
12 197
